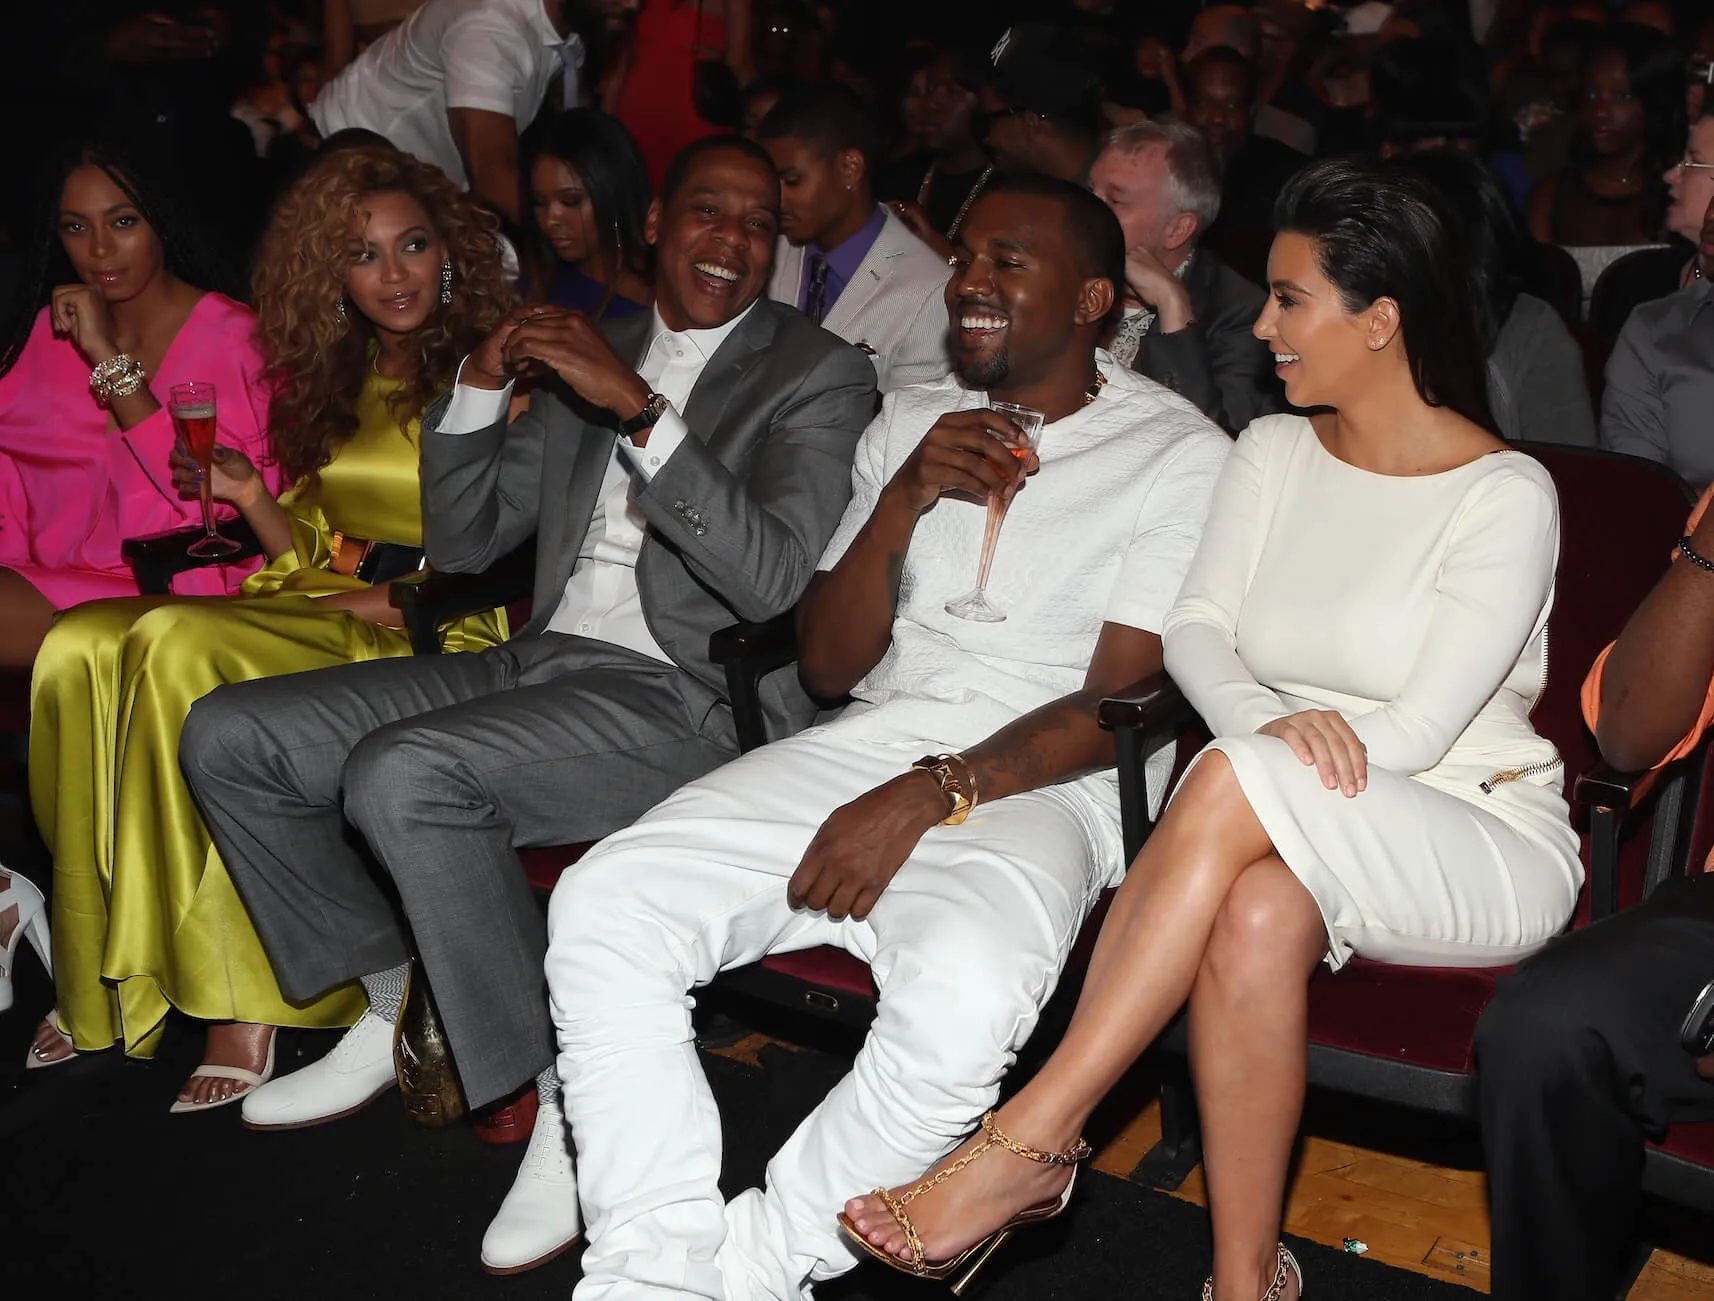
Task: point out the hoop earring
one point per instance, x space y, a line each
446 282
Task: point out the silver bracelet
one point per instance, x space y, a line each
118 377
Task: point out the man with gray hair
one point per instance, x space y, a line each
1188 316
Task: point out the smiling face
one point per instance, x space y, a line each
1016 297
818 189
393 276
1692 187
563 208
1611 116
714 240
1322 351
111 247
1132 182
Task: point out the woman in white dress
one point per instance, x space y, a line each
1364 630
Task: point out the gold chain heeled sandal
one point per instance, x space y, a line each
967 1262
1284 1261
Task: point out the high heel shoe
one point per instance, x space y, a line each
967 1262
1284 1261
32 926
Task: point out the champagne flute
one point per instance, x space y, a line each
193 411
975 605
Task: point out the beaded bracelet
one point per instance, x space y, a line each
117 377
1700 561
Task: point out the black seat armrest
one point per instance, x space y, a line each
430 600
1141 717
157 558
748 652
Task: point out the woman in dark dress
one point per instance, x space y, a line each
589 198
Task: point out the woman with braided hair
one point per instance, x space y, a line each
375 278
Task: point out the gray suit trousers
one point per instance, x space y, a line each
439 766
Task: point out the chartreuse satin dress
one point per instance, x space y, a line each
144 914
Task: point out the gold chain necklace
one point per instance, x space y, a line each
976 189
1094 390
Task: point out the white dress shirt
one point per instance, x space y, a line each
499 56
601 599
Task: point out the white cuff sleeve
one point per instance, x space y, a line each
472 409
669 431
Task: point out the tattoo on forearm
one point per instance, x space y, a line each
1051 745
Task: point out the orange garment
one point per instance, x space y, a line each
1592 684
656 103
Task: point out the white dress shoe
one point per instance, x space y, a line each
32 928
354 1074
539 1218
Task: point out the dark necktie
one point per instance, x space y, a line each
817 305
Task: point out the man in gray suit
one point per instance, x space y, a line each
682 473
1188 316
846 261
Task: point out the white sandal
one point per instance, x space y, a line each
250 1079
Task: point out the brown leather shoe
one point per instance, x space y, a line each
509 1121
428 1077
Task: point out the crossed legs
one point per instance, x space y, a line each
1208 913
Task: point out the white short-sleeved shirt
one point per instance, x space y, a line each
496 55
1104 532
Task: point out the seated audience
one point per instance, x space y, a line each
964 913
1630 126
760 96
843 260
1040 104
23 917
133 307
1660 378
589 198
1288 110
697 466
933 201
375 277
1187 316
1538 389
1690 183
1378 793
1220 101
1579 1052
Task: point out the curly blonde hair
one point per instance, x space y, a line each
317 357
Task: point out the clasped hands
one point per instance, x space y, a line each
566 343
1322 738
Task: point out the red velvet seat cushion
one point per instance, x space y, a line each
1692 1142
1422 1015
543 866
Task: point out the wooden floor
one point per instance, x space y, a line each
1413 1214
1410 1212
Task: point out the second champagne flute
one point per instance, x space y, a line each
975 605
193 411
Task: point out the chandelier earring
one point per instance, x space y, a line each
446 282
339 310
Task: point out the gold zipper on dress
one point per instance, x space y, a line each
1535 769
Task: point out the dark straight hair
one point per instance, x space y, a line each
606 159
1382 232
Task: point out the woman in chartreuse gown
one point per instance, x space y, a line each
375 278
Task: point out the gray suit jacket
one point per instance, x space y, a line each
1216 363
894 308
738 516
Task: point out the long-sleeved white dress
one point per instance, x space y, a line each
1417 607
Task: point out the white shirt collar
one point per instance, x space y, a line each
705 342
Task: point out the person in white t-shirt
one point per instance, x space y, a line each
961 878
458 81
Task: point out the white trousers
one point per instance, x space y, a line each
966 946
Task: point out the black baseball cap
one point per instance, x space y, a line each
1046 70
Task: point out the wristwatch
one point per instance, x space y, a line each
956 782
647 418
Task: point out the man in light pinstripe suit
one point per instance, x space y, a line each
850 265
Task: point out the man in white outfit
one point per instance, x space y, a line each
459 80
846 262
961 878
